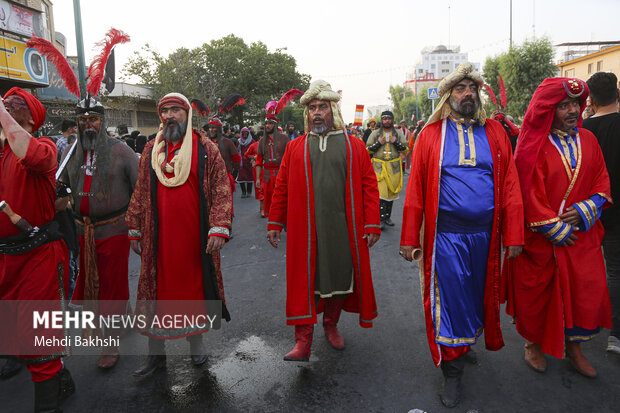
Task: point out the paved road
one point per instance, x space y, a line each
384 369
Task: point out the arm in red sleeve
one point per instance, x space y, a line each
413 212
218 194
279 200
370 191
513 221
41 156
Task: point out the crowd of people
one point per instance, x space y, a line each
486 227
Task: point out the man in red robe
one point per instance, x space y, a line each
259 194
464 191
326 195
227 148
27 180
179 225
557 288
270 151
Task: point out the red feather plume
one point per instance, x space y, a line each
57 59
287 98
200 107
502 92
230 102
491 94
97 67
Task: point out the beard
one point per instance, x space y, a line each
174 131
323 127
89 139
466 107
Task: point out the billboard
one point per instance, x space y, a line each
16 19
21 63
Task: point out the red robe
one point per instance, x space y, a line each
252 151
182 231
422 204
297 212
551 288
28 186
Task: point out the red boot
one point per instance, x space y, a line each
303 342
333 308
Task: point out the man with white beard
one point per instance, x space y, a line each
179 219
102 173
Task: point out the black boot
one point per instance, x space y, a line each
382 211
155 360
388 213
244 193
47 396
452 373
197 350
67 385
249 184
10 368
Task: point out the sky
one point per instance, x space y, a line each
360 47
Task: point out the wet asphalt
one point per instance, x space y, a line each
387 368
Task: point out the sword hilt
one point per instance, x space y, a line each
16 219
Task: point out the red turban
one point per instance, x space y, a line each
538 120
215 121
37 110
173 99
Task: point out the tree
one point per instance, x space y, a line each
523 68
404 102
214 70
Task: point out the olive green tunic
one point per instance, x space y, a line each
334 262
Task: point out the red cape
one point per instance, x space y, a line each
551 288
297 210
421 206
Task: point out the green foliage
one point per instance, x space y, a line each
425 105
523 68
404 102
214 70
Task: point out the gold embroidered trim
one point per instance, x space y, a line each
460 340
581 338
549 221
607 197
562 234
471 161
554 230
577 169
584 210
594 209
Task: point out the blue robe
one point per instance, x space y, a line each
464 222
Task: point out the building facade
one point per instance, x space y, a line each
434 64
582 60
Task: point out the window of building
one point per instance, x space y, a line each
569 73
116 117
45 21
599 66
147 119
590 66
433 66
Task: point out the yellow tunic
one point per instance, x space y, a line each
387 163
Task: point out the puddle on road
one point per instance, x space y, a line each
252 374
251 370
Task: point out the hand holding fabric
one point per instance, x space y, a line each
571 216
372 239
215 243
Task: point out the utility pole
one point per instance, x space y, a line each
511 24
80 47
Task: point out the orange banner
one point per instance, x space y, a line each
359 115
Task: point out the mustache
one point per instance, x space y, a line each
318 118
